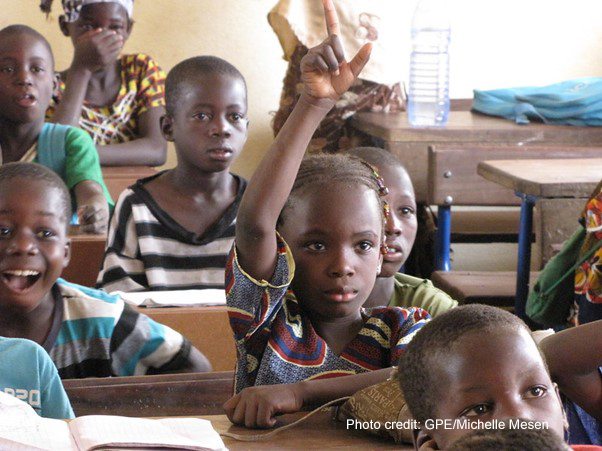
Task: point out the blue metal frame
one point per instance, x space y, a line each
523 265
443 238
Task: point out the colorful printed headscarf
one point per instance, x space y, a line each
73 7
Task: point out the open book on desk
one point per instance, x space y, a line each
174 298
21 429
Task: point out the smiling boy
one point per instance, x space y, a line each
86 332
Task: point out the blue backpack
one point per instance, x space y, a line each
573 102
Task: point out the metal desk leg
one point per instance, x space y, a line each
524 253
443 238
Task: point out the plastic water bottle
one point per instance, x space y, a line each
428 96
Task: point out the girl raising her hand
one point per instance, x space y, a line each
308 248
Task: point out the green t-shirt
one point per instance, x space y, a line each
81 160
411 291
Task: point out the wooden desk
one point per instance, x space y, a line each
207 328
118 178
534 180
410 144
87 252
317 432
186 394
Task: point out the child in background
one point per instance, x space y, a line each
86 332
26 84
173 230
317 228
27 373
476 363
117 100
392 287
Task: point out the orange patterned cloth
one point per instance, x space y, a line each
142 88
588 277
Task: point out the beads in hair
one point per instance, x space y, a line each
382 188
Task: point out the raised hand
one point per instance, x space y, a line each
324 71
97 48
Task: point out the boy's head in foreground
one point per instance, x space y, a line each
35 208
333 222
27 79
505 439
206 113
401 223
477 363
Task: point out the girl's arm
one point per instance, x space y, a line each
149 149
92 51
92 207
258 406
326 75
574 359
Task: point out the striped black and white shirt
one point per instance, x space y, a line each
148 250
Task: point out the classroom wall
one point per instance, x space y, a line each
495 43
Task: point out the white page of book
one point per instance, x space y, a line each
181 433
174 298
21 429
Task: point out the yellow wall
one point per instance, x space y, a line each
494 44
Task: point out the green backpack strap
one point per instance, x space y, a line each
51 147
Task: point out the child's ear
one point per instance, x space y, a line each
130 26
166 124
64 25
55 85
67 257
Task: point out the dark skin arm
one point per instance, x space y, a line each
573 358
326 76
95 50
92 207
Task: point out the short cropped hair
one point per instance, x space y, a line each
510 439
19 29
189 69
34 171
438 336
376 156
318 171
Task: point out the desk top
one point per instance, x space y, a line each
317 432
551 178
466 126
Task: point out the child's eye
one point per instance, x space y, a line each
45 234
4 232
116 27
406 211
86 26
37 69
316 246
201 116
536 392
365 246
7 70
478 410
237 117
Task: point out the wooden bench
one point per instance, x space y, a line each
186 394
453 181
207 328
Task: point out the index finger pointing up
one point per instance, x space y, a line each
332 20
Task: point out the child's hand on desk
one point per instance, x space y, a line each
93 218
96 48
324 71
257 407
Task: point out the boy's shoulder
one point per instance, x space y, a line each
80 301
19 345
